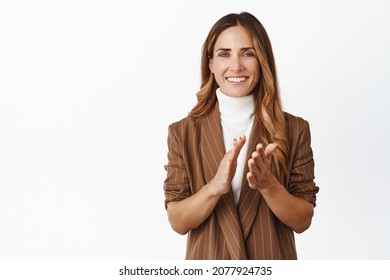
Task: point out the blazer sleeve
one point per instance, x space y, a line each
301 181
176 184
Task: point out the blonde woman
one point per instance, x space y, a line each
240 171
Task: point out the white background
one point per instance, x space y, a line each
88 89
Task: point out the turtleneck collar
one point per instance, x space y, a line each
235 105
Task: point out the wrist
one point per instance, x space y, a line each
212 189
271 188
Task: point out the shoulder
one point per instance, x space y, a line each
191 122
183 129
290 118
298 128
183 124
296 122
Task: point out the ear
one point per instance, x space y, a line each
211 65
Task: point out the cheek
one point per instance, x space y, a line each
256 72
218 79
211 67
216 68
218 76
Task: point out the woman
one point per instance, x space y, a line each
240 170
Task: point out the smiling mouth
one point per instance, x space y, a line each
236 79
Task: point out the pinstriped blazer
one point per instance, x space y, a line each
248 230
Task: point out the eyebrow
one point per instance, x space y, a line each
242 49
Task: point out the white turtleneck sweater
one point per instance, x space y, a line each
237 115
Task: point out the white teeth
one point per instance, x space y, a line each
236 79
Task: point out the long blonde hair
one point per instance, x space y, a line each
268 108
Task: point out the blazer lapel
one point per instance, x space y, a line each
211 143
249 201
213 150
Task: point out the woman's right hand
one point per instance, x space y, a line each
221 183
190 212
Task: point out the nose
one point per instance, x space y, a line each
236 64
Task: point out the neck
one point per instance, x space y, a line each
235 105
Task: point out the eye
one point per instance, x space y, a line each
223 54
249 54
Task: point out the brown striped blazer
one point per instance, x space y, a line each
248 230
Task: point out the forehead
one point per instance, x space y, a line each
234 37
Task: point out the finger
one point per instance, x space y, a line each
262 156
259 148
269 150
237 145
255 155
261 160
251 180
254 169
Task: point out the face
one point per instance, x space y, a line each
234 63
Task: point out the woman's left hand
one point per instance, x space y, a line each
293 211
260 176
